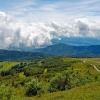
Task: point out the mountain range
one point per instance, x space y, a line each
71 51
19 55
52 50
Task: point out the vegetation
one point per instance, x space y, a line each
59 83
33 88
51 78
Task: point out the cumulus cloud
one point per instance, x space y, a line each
15 33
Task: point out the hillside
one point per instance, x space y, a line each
87 92
19 55
50 78
72 51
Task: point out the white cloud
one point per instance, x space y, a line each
16 33
60 10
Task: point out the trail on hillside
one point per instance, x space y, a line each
94 66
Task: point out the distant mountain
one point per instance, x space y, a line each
72 51
52 50
19 55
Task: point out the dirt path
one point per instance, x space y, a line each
95 68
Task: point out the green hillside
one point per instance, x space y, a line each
87 92
52 78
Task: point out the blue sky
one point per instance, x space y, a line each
45 9
35 23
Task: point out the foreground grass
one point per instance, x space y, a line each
87 92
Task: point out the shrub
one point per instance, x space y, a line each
6 93
30 71
33 88
59 83
4 73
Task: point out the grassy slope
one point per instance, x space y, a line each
90 91
7 65
87 92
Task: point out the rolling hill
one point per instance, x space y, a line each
72 51
19 55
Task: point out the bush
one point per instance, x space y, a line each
6 93
59 83
4 73
33 88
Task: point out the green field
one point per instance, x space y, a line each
87 92
52 78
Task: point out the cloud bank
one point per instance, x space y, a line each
18 34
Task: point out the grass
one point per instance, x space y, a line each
7 65
46 69
87 92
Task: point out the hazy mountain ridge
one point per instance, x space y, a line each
53 50
19 55
70 50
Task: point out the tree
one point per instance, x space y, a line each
33 88
59 83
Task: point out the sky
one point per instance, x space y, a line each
39 23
